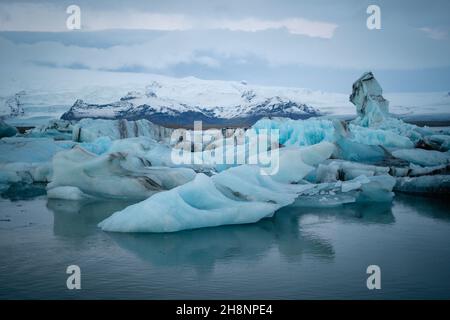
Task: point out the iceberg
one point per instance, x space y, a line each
346 170
439 142
426 185
371 107
425 158
378 137
111 175
240 195
373 112
55 129
299 132
193 205
20 149
88 130
28 160
236 195
6 130
67 193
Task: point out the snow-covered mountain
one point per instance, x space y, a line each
180 102
177 101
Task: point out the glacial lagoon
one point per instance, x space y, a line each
299 253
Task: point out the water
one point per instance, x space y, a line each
298 254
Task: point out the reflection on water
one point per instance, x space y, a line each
362 213
80 218
430 207
203 247
300 252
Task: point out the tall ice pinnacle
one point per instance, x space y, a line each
371 107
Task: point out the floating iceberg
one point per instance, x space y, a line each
426 158
298 132
346 170
439 142
240 195
425 185
373 112
19 149
112 175
378 137
28 160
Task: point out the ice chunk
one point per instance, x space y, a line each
325 200
299 132
196 204
99 146
56 129
373 112
67 193
296 162
88 130
27 172
371 107
346 170
439 141
6 130
423 157
385 138
427 185
237 195
358 152
416 170
354 184
27 160
114 175
361 189
18 149
378 189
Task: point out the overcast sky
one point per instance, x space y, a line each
314 44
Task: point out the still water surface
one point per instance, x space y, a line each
300 253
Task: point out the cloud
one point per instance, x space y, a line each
435 33
44 18
132 20
31 17
292 25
